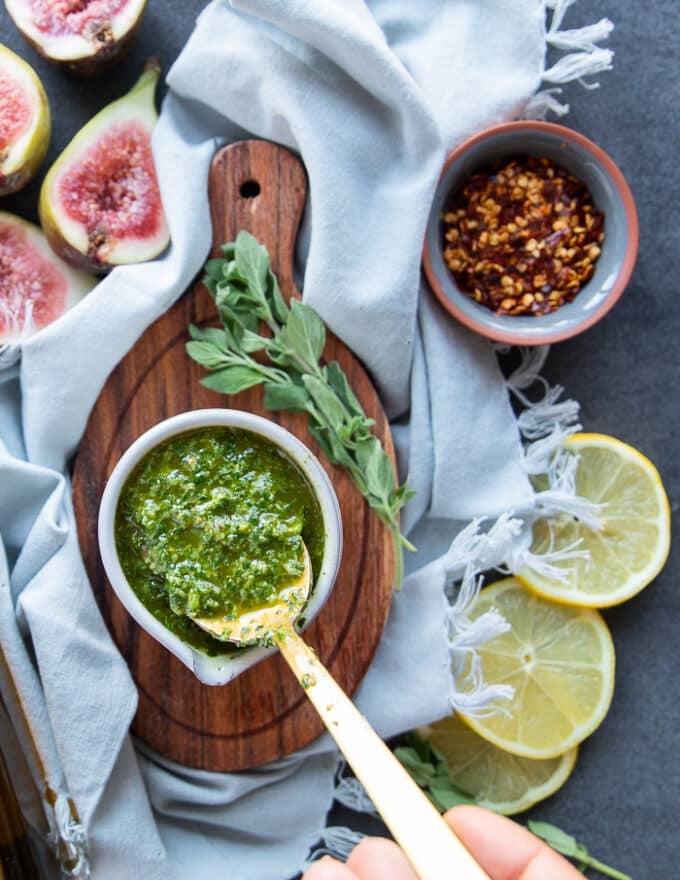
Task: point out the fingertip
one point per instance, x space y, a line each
380 859
504 849
467 816
328 868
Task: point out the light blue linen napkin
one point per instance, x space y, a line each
370 95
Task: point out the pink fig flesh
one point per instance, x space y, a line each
57 17
16 111
24 122
113 191
35 286
31 288
100 204
84 35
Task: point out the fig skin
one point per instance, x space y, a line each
95 250
36 149
103 51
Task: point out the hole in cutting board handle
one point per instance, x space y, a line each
250 189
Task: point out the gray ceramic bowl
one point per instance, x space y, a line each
611 194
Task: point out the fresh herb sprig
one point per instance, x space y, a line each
248 297
429 770
567 845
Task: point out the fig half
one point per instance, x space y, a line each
100 205
84 35
36 287
24 122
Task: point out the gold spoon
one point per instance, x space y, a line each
427 841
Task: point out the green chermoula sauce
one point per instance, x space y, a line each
211 522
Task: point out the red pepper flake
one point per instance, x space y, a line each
522 237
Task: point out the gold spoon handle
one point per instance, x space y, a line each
425 838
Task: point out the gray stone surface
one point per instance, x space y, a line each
624 796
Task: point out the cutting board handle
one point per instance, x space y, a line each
262 188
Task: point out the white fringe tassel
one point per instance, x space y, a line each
350 792
470 694
584 58
545 424
67 836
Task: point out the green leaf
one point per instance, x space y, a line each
422 748
561 841
448 795
305 332
325 400
207 354
339 383
421 771
237 300
428 769
215 268
377 466
567 845
211 284
251 342
278 304
336 452
231 380
208 334
320 436
356 429
252 261
289 396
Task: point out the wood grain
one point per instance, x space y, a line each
263 714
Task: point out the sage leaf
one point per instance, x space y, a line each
214 268
208 334
207 355
252 342
231 380
285 396
247 295
567 845
325 400
376 465
278 305
447 796
305 332
338 382
421 771
252 262
555 837
211 284
319 435
428 768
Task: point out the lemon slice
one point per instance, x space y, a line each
633 544
560 660
496 779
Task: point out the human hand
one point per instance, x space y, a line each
505 850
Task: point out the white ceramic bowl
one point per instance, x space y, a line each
221 669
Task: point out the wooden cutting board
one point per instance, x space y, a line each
263 714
